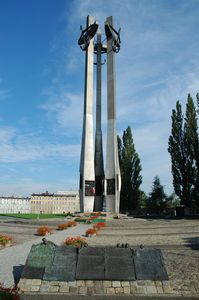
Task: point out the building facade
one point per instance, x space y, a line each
14 205
59 203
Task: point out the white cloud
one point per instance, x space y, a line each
21 148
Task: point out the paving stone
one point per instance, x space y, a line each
99 290
119 290
141 282
150 289
98 283
72 283
110 291
73 290
53 289
141 289
82 290
54 283
159 289
150 282
116 284
133 290
35 288
125 284
64 289
107 283
36 281
90 291
167 289
44 288
80 283
89 283
158 283
127 290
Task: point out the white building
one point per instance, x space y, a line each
59 203
14 205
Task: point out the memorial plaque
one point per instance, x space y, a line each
119 268
41 255
97 251
111 186
90 267
149 265
116 251
89 188
66 250
32 273
119 264
65 260
60 273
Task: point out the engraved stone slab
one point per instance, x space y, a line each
115 251
32 273
65 250
149 264
41 256
64 265
96 251
90 267
119 264
60 273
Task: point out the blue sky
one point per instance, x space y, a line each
42 80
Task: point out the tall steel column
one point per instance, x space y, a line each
112 171
99 164
87 174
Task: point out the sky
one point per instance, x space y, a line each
42 82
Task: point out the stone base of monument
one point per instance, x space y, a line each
92 270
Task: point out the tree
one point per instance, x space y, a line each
157 200
192 146
130 167
183 148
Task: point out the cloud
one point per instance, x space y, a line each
65 110
22 148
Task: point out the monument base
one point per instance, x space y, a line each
88 203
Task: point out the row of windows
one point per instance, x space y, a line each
14 201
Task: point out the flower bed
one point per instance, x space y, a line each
62 226
6 240
99 225
71 223
75 241
91 232
44 230
9 293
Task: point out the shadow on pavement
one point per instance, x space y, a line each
17 271
192 242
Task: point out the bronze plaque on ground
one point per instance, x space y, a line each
149 264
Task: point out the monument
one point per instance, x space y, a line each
94 182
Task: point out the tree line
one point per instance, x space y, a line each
183 147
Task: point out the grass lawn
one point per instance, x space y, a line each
35 216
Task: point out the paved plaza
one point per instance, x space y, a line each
177 238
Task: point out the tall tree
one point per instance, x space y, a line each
192 147
157 200
130 172
183 145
